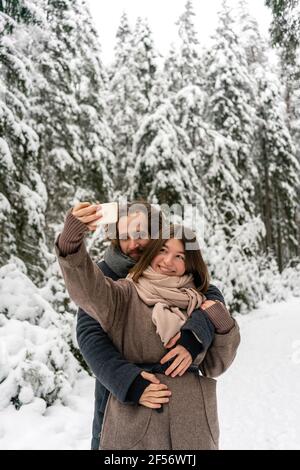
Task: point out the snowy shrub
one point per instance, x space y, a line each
35 355
291 279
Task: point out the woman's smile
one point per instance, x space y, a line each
165 270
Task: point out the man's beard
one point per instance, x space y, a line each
136 254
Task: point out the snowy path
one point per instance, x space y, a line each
258 397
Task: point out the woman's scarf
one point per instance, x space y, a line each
174 298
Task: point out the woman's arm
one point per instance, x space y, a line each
101 297
223 350
198 331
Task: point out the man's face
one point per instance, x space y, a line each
133 234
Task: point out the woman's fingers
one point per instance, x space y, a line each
90 218
88 214
80 205
155 394
92 227
151 377
157 387
86 211
160 400
85 208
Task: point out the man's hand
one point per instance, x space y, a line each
155 394
183 358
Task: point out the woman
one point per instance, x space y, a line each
189 418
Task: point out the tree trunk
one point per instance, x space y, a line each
267 204
279 236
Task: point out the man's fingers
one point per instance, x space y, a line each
170 344
151 377
173 340
183 371
169 356
174 364
182 367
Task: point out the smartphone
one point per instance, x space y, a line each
109 212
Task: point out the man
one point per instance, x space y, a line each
126 381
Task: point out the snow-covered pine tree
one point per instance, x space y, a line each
163 172
40 367
285 37
23 194
233 230
68 109
230 107
183 66
294 127
54 110
122 117
96 147
279 170
250 37
143 66
143 70
265 152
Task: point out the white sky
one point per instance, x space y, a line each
162 15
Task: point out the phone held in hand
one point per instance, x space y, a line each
109 212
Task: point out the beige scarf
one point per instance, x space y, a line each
174 298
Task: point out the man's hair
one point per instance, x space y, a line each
154 218
193 257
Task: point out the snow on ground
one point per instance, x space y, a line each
258 395
57 427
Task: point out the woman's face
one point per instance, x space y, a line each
171 259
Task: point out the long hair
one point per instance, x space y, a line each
194 262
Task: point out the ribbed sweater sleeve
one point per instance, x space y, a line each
220 317
72 235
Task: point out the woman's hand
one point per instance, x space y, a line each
156 394
88 214
183 358
208 303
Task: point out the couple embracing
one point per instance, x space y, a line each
152 328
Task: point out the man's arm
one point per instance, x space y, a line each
213 293
197 335
103 358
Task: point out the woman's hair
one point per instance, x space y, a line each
193 257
